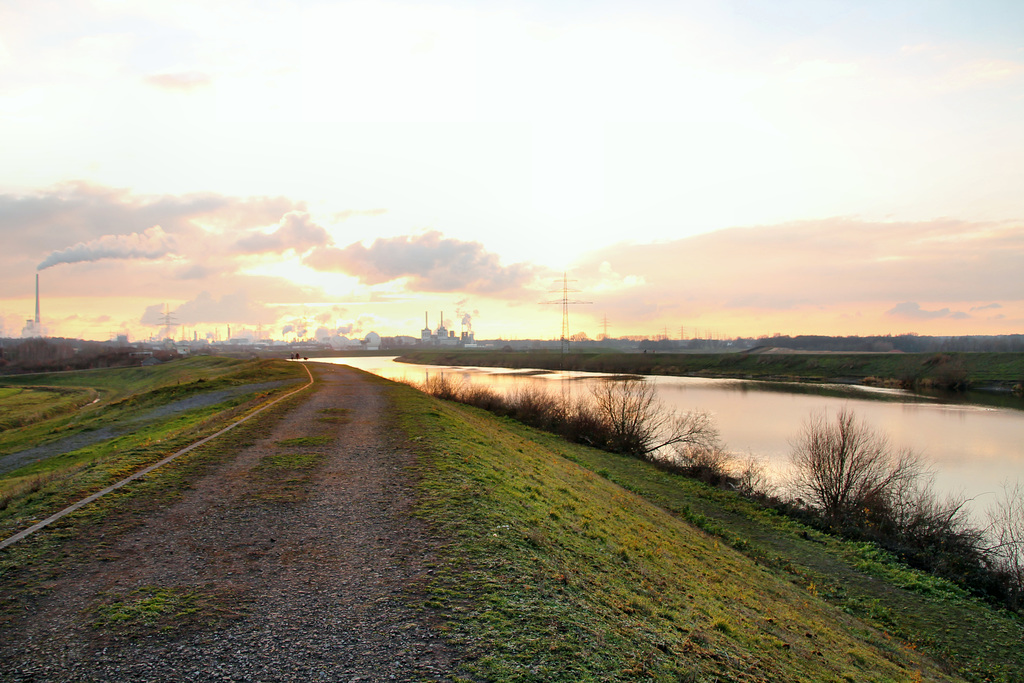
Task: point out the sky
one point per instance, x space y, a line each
307 168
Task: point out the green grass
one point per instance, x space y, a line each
306 441
39 489
336 415
570 564
127 392
20 406
165 609
122 382
289 462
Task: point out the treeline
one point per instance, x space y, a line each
906 343
54 354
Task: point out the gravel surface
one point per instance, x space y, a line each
308 587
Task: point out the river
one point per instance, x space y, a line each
972 449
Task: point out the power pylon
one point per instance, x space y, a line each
565 303
168 322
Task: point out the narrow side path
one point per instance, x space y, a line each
12 461
294 558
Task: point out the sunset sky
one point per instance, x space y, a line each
728 168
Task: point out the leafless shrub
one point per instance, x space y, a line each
843 465
638 424
442 386
752 478
1006 529
581 422
481 396
709 463
534 406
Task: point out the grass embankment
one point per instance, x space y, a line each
571 564
980 368
126 397
33 565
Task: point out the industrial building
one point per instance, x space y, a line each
442 336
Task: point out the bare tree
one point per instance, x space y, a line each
1006 529
843 465
638 424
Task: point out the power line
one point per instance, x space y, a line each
565 303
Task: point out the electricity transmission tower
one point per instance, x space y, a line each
566 303
168 322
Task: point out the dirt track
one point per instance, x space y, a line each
297 579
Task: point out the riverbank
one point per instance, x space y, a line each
365 527
568 563
985 371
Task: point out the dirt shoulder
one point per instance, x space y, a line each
292 561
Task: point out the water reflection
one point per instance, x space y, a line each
973 449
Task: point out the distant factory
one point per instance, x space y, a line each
442 336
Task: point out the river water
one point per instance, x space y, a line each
972 449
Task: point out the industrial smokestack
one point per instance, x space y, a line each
37 300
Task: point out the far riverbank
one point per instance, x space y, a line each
990 372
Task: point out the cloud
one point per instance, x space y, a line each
823 263
296 231
237 307
195 271
986 307
182 81
430 261
808 276
153 243
351 213
913 311
70 213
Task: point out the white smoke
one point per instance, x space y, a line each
153 243
465 315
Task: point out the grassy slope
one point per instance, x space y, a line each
38 489
558 573
982 368
94 396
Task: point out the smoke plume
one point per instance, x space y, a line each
153 243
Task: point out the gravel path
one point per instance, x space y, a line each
306 579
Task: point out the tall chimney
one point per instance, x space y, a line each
37 300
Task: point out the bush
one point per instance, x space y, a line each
1006 528
638 425
710 464
843 467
